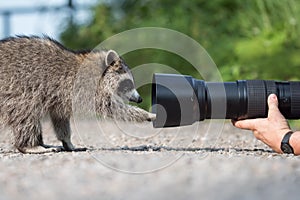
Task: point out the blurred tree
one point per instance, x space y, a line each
248 39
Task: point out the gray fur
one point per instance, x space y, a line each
37 76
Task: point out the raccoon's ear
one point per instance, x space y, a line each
111 57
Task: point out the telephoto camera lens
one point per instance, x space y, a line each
179 100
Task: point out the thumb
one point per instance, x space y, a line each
273 105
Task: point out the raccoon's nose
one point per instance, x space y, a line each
139 100
135 97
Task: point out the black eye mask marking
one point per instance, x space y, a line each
125 86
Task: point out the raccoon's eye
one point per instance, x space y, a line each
125 86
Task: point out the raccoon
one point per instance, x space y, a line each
37 77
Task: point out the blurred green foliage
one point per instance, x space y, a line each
247 39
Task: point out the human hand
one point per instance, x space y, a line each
270 130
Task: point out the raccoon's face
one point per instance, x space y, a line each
118 77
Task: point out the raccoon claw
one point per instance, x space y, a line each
151 117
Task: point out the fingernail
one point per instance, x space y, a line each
273 97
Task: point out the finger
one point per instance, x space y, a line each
248 124
273 106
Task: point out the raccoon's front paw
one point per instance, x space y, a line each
151 117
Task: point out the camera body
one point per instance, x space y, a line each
179 100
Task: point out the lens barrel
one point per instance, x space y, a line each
179 100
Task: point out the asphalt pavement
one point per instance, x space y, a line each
209 160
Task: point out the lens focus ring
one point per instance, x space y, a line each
295 99
257 104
